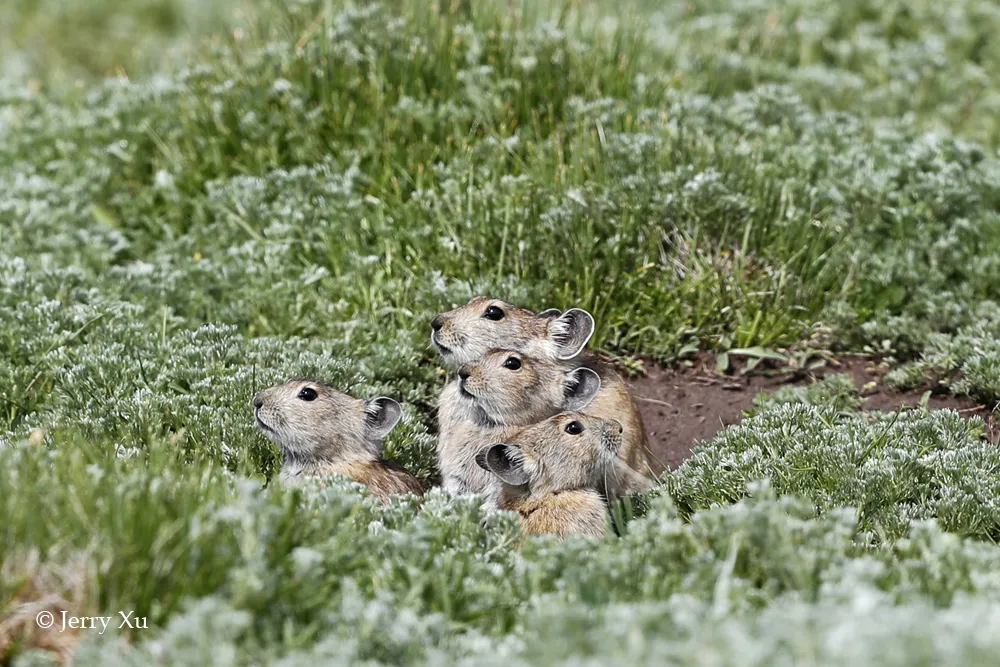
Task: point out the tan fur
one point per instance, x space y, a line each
550 475
464 335
508 387
615 401
333 434
461 437
480 406
566 513
383 478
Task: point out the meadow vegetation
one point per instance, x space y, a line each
197 203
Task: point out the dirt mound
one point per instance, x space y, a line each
684 406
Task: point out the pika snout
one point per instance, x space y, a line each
612 436
267 415
464 373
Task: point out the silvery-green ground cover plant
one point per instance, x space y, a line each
197 203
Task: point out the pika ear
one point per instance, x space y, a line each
504 461
581 386
381 416
550 312
571 332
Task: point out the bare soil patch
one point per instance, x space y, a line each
686 405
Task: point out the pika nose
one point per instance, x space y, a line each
437 323
464 372
616 427
258 402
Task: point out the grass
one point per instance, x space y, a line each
196 203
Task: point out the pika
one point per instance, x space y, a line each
468 332
550 473
509 387
324 432
492 397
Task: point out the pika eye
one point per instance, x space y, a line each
513 363
308 394
574 428
494 313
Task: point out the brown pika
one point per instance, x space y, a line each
469 332
503 390
511 388
550 473
323 432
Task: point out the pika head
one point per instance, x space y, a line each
309 420
468 332
512 388
566 452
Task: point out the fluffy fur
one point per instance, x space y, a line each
486 403
550 472
323 432
469 333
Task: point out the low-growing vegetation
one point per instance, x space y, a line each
198 203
